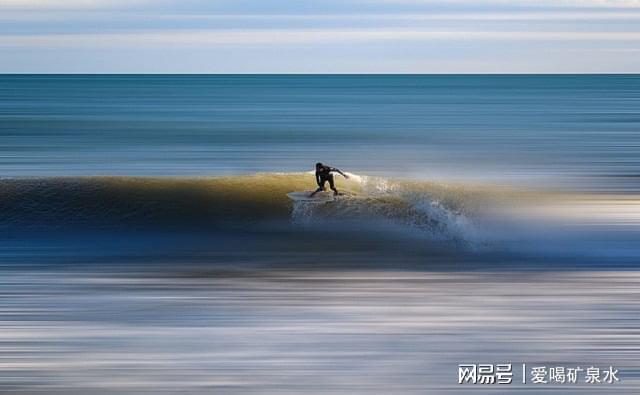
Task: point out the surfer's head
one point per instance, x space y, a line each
318 165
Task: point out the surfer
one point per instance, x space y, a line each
324 174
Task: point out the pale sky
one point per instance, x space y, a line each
322 36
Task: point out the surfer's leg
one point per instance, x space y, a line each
332 185
320 188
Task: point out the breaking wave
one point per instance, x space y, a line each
434 210
386 212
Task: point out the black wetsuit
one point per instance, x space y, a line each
323 175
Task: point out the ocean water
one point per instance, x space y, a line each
578 129
147 243
468 160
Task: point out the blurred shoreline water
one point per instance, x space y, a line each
174 330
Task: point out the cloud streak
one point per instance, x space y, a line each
290 36
307 4
67 4
519 3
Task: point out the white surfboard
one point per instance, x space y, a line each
304 196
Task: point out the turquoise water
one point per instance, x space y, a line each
576 130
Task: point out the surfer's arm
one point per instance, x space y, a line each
318 181
340 172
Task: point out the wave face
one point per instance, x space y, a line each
242 221
103 201
58 203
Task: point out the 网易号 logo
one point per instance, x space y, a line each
503 373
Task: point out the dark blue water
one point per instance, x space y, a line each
574 130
